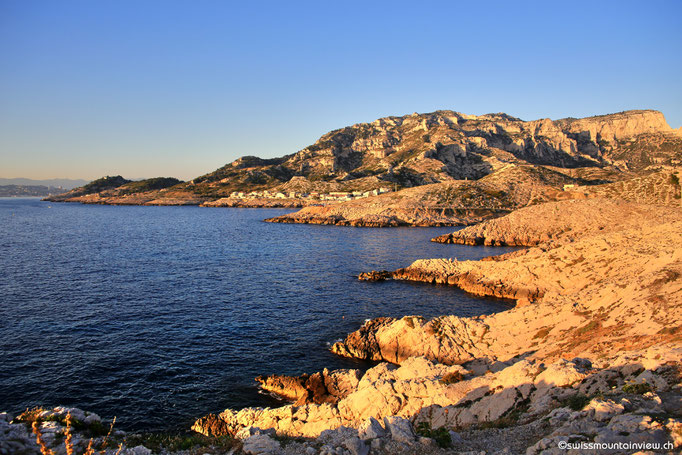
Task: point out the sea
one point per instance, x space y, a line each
160 315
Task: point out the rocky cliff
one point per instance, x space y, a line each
442 146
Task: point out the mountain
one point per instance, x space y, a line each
63 184
438 147
443 146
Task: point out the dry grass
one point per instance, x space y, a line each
33 416
68 443
44 450
452 378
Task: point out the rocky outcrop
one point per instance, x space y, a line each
569 294
613 127
322 387
397 409
563 221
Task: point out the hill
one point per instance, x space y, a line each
63 184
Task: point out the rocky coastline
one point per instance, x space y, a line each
590 351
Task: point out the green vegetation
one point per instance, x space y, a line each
508 420
156 183
440 435
576 402
105 183
637 388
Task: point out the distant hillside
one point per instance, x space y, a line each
28 190
118 190
63 184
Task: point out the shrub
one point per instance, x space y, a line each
440 435
36 421
637 388
576 402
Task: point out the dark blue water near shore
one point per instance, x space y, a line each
162 314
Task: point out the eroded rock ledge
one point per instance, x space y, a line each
566 221
468 275
322 387
338 216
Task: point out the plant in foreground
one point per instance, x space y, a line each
440 435
68 441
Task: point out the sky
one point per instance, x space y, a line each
149 88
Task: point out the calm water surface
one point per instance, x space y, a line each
162 314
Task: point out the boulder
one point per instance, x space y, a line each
561 373
400 428
371 429
494 406
261 444
649 377
603 410
356 446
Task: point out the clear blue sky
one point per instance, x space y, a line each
178 88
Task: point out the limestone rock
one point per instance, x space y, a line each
261 444
604 410
356 446
139 450
371 429
561 373
324 387
400 428
493 407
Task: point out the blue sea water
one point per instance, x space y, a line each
160 315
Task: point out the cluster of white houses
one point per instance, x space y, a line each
331 196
